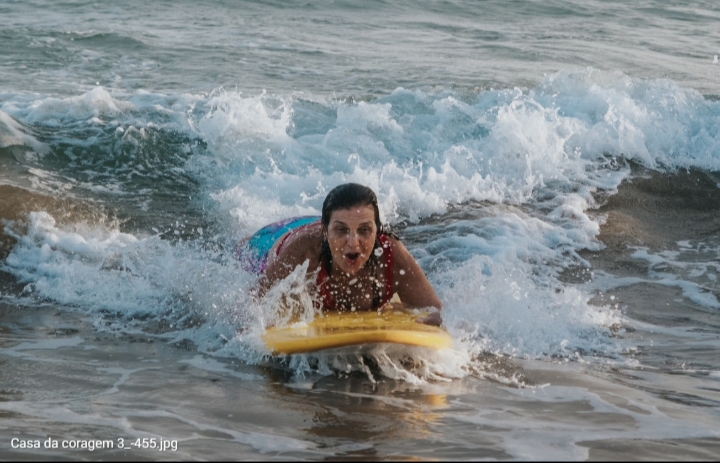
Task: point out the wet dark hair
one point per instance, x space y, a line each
350 195
346 196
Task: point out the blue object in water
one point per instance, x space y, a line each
253 252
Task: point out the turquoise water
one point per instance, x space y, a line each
553 166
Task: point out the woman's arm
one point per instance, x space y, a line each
294 252
412 285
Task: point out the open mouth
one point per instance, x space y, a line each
352 256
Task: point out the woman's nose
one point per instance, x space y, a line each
353 238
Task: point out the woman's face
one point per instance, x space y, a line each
351 235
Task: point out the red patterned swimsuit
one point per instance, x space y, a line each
323 279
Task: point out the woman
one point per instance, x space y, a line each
359 265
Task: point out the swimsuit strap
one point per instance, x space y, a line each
323 279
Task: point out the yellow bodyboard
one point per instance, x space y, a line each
355 328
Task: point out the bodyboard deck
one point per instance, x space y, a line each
355 328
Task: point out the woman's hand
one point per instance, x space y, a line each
434 319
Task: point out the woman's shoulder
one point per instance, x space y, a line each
400 253
303 243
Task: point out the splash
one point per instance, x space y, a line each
491 191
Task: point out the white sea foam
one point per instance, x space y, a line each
102 270
12 134
80 120
413 365
502 146
22 348
61 112
423 152
502 308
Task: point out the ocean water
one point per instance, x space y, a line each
553 166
